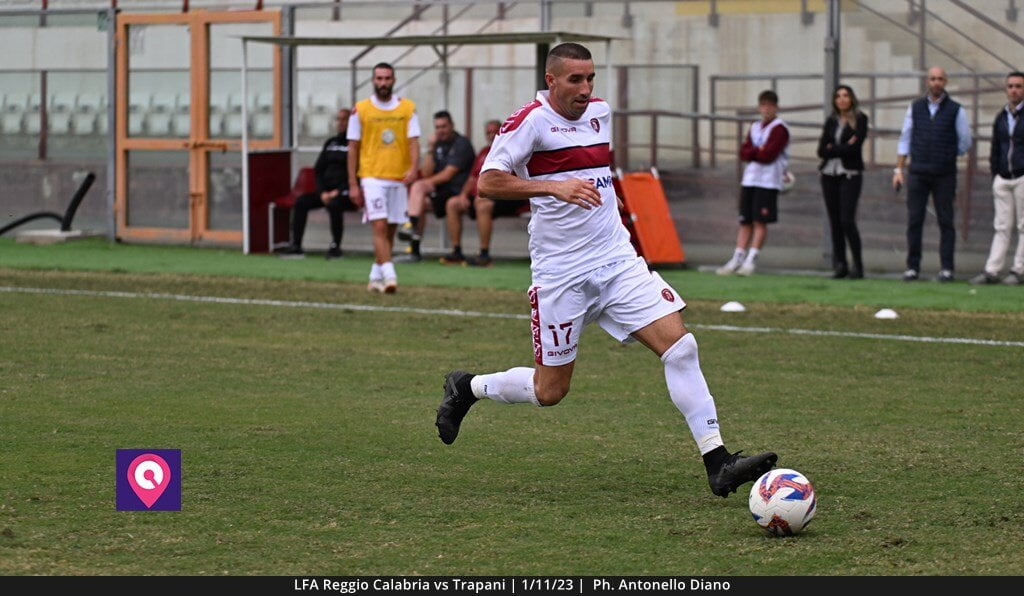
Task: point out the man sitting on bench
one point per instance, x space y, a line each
331 171
445 169
484 210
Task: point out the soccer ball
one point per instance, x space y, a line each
782 502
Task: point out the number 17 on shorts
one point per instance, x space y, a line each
555 340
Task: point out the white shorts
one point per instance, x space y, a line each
384 199
622 297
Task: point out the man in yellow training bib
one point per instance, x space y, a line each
384 152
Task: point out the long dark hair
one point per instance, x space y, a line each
854 112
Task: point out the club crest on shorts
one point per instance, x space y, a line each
595 125
668 295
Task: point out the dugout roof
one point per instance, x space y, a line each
543 40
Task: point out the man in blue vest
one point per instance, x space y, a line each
935 132
1007 163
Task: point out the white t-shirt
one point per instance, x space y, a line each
355 129
536 143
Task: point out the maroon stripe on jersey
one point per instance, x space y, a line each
568 159
516 118
538 349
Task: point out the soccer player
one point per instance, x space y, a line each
384 148
555 151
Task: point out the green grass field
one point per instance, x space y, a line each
308 443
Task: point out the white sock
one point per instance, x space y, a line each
689 392
388 270
514 386
738 255
375 272
752 255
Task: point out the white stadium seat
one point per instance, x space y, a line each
158 120
181 121
138 106
88 111
58 115
13 113
33 116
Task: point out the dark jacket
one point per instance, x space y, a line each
331 167
933 140
1002 141
850 153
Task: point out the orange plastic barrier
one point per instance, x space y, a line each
655 231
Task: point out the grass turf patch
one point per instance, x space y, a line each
99 255
309 447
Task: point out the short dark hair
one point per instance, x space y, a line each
567 51
1014 74
443 114
768 96
384 65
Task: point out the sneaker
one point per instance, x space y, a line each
458 399
910 275
333 253
293 252
747 268
480 261
390 286
1013 279
411 257
453 258
406 233
729 268
738 470
984 278
375 285
945 276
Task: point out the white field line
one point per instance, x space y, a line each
490 315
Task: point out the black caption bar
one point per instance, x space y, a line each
323 585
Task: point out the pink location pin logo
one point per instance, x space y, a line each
149 475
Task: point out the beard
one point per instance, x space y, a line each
383 92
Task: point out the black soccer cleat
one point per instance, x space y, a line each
458 399
738 470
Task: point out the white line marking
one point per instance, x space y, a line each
490 315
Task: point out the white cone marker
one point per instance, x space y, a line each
886 313
733 306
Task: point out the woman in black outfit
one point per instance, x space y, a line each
841 169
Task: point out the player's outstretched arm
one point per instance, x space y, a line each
495 184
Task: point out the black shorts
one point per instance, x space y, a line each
503 208
439 199
758 204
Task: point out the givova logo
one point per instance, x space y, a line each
148 479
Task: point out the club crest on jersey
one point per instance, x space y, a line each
595 125
388 136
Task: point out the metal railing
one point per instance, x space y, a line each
870 102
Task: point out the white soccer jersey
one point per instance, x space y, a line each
536 143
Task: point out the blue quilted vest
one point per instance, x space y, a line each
933 140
